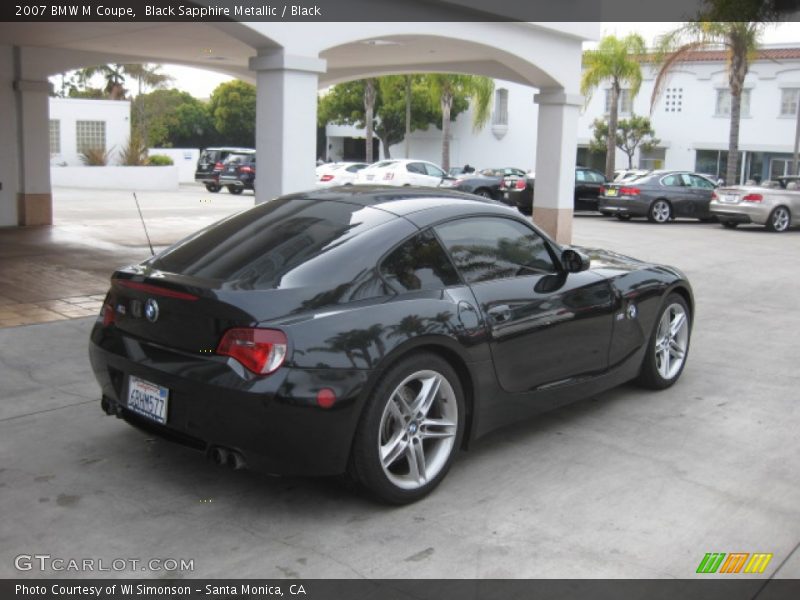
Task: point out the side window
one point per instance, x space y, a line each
673 180
434 171
419 264
701 182
580 176
415 168
596 177
487 248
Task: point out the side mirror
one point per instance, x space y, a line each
574 261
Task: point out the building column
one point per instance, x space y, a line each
34 195
286 122
556 147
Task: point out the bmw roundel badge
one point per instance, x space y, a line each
632 311
151 310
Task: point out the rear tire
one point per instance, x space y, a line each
780 219
410 430
730 224
660 211
483 193
623 217
668 345
213 187
235 190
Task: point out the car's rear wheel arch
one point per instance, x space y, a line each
442 348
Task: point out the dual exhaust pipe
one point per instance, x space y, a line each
219 455
226 457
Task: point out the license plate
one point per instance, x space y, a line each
611 192
728 198
148 399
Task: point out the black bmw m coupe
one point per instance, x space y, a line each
374 332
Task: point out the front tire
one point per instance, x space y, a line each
623 217
660 212
410 430
668 346
779 220
730 224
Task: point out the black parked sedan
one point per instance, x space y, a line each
659 196
375 331
588 183
485 182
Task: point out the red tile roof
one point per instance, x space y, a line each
762 54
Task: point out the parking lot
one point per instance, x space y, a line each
627 484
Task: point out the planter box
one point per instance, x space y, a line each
162 179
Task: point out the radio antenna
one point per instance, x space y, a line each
147 235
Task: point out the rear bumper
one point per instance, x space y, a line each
273 422
208 178
617 206
745 212
225 181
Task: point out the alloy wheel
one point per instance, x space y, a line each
672 341
418 429
661 211
780 219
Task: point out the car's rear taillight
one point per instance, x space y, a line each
326 177
753 198
388 176
602 190
261 351
246 169
629 191
714 195
520 185
108 314
218 166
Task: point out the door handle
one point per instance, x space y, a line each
500 313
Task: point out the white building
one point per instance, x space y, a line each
691 118
78 124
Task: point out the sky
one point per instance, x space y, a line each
201 83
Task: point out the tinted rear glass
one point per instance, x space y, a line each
259 247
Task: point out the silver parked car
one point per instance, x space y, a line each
773 204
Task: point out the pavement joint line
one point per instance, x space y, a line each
775 572
45 410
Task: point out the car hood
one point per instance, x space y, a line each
606 262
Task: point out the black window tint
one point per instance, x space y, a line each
260 247
419 264
415 168
486 248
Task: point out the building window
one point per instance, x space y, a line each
673 100
90 135
500 116
724 103
55 136
652 159
789 98
625 102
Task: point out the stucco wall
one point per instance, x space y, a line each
115 113
116 178
185 160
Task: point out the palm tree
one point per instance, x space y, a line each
147 76
370 96
113 74
445 88
739 39
615 60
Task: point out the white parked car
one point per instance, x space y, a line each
401 172
342 173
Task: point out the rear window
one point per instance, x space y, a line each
257 248
239 158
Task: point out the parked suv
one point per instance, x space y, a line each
239 172
209 165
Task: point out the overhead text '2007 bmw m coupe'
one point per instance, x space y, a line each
375 332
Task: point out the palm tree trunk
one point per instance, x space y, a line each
447 104
611 142
369 109
408 115
732 172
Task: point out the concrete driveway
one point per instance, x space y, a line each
627 484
